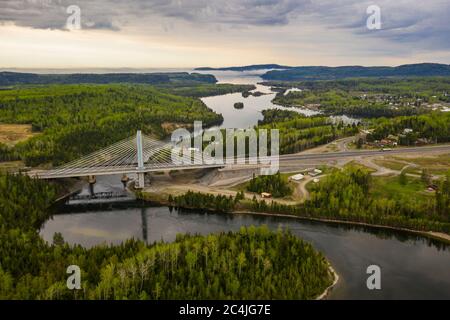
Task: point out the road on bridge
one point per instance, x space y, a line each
287 158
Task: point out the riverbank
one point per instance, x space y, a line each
404 256
328 290
429 234
440 236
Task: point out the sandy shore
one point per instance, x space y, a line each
327 291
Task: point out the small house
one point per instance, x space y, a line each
266 195
297 177
315 172
421 142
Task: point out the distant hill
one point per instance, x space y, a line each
330 73
15 78
245 68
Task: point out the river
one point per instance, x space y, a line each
412 267
253 105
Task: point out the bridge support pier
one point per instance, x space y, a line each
92 181
140 158
140 180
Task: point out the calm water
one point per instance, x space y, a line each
249 116
412 267
253 106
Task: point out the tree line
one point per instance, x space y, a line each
275 184
74 120
346 195
298 133
434 127
253 263
200 200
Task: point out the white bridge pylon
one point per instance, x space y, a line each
135 155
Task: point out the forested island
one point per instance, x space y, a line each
239 105
253 263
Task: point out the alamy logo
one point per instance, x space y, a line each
374 20
74 280
228 146
374 280
74 20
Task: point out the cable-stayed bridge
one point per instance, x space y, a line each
142 154
135 155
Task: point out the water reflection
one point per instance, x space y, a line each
103 211
144 224
412 266
103 189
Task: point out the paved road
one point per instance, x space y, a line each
359 153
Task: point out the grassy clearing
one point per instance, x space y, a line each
332 148
11 166
11 134
439 160
390 187
391 164
358 165
435 165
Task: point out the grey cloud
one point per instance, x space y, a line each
52 14
108 13
249 12
420 22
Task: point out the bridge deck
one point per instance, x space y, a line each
59 173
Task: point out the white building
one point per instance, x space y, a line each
297 177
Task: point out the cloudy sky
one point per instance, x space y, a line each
190 33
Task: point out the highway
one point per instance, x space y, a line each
364 153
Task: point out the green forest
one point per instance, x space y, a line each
331 73
349 195
298 133
206 90
365 97
200 200
74 120
275 184
253 263
167 78
435 127
8 153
